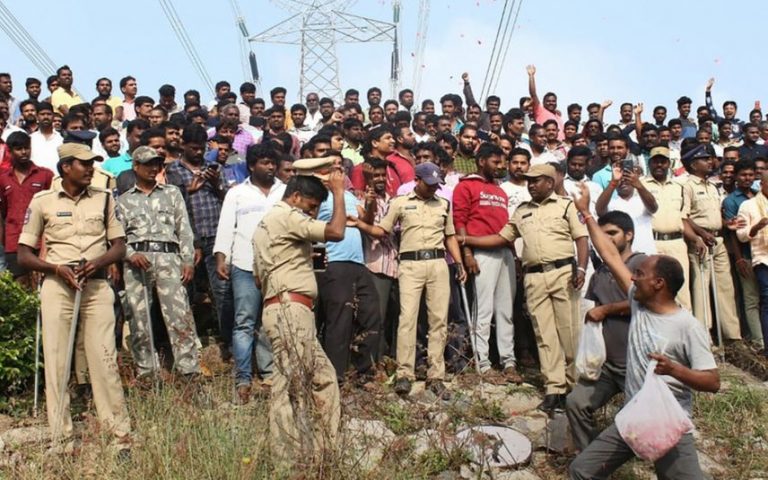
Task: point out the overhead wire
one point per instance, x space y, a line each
502 46
493 49
186 43
421 44
509 42
25 42
242 36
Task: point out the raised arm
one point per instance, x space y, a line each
602 243
531 69
638 120
601 205
647 197
469 95
334 229
708 99
603 107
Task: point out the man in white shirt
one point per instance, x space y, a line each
540 154
243 208
636 201
755 213
45 140
314 117
576 172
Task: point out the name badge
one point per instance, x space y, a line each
527 215
63 214
37 185
411 207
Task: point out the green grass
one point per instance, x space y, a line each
735 421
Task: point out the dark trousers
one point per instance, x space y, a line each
609 451
350 316
587 397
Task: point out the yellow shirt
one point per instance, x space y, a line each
73 228
424 224
282 251
61 97
548 229
673 205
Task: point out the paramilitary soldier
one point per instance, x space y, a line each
77 222
305 394
159 256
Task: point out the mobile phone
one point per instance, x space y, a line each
319 257
628 164
213 166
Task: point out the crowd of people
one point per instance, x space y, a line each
356 235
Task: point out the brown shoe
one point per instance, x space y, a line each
264 388
243 394
511 375
494 377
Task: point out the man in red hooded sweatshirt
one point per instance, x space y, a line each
480 208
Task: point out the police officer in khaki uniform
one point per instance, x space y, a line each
77 222
304 389
706 220
101 178
104 180
549 225
668 226
426 232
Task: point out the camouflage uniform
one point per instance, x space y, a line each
157 226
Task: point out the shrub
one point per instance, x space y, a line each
18 315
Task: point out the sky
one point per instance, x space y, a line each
651 52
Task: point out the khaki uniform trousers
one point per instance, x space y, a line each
96 334
678 250
415 277
700 290
551 300
305 395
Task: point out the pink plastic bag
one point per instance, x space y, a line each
653 421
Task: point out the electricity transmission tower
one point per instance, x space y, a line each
317 26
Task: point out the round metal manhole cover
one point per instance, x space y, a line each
496 446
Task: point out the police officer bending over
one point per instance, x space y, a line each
304 390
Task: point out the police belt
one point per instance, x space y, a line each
291 297
423 254
715 233
547 267
667 236
158 247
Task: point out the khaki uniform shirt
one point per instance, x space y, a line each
72 228
424 224
160 216
673 205
705 202
548 229
282 251
101 179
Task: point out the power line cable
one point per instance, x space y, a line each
493 50
509 42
